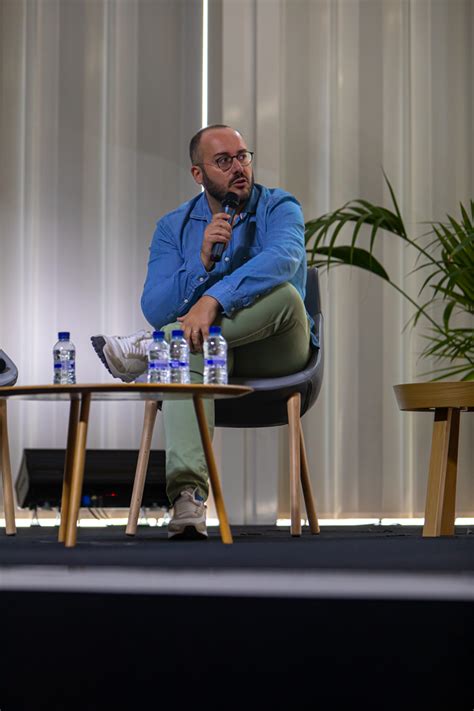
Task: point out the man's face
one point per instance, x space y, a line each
238 179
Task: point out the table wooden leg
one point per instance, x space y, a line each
449 508
441 492
294 409
71 441
307 488
226 534
77 472
5 466
151 408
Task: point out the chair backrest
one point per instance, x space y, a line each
312 299
8 370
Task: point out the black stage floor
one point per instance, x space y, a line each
366 617
370 547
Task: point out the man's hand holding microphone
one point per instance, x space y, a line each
218 233
202 315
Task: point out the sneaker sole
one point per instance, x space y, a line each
188 533
98 343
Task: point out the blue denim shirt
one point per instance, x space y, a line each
266 249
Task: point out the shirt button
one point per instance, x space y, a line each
186 301
226 259
201 278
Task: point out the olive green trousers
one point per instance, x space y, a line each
269 339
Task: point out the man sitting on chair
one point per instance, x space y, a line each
255 293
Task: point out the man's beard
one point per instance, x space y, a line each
219 193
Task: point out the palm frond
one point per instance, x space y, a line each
448 261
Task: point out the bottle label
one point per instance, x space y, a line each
158 365
219 362
178 364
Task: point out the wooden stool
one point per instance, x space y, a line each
447 400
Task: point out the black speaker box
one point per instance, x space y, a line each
108 478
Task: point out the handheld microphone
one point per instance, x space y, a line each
229 206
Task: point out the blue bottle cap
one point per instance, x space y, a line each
158 335
177 333
63 335
215 330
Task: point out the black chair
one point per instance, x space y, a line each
283 401
8 371
276 401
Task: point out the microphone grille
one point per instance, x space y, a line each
231 200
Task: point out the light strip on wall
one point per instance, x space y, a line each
460 521
205 51
213 522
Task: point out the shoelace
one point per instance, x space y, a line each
187 498
132 346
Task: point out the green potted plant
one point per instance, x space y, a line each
447 263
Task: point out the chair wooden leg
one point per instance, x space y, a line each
71 440
151 408
441 492
5 466
307 488
77 477
294 424
226 534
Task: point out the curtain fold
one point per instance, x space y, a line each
98 102
342 90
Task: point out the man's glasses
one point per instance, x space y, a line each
225 162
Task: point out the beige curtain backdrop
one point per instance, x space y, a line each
329 92
98 102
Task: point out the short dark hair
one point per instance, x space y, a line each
196 140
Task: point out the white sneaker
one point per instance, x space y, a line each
189 517
125 357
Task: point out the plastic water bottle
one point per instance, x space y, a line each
179 358
158 359
215 358
64 360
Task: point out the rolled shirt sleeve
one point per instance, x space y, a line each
282 253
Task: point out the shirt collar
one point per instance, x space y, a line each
250 207
202 211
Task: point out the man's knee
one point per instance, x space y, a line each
287 298
288 291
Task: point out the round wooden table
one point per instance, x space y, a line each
448 400
80 397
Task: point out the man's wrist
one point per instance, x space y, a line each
213 302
